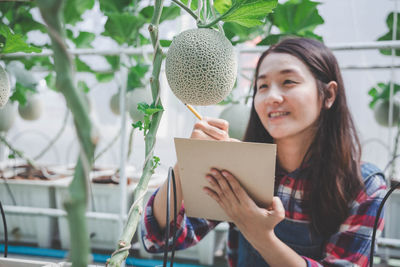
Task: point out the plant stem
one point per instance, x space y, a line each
136 209
187 9
394 154
51 11
19 153
51 143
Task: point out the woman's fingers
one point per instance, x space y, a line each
209 131
277 209
222 187
219 123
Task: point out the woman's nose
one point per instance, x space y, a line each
274 95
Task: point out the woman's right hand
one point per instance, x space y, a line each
211 129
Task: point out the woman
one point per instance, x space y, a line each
325 199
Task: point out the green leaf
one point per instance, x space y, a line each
249 13
14 42
84 40
82 66
382 91
20 93
135 76
123 27
104 77
238 34
193 5
83 86
165 43
297 16
74 9
114 61
138 124
389 35
114 6
51 82
168 13
222 5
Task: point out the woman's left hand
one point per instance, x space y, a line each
246 215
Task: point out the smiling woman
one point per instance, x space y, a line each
325 199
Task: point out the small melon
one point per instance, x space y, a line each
114 103
32 109
4 87
201 67
7 116
135 97
238 116
381 113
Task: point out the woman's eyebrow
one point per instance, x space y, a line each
284 71
289 71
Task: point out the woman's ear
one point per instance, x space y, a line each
331 94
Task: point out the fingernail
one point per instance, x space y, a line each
214 172
225 174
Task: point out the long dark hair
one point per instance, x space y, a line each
335 153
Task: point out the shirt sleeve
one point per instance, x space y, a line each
189 230
351 245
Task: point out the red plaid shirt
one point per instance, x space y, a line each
350 246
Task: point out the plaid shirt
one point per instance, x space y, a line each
350 246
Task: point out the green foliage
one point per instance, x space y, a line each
123 27
155 162
148 111
13 42
382 91
51 81
74 9
168 13
248 13
83 40
20 93
389 35
135 76
294 18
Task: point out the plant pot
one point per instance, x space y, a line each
39 193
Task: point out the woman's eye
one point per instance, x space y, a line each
263 86
289 82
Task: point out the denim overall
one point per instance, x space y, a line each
296 234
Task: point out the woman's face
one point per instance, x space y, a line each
286 100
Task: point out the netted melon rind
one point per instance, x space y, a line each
7 117
201 67
4 87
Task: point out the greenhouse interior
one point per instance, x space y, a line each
199 133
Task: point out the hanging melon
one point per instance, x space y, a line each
4 87
201 66
7 116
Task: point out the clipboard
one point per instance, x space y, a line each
253 164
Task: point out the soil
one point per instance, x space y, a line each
27 172
110 179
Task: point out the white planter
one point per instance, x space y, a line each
104 233
38 230
9 262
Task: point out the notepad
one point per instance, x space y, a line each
253 164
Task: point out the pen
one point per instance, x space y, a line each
194 111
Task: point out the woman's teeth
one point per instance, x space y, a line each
278 114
